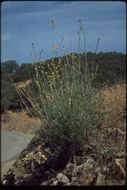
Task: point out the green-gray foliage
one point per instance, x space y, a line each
68 104
7 90
10 66
66 97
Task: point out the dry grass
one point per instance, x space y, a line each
20 121
114 97
113 129
23 84
114 101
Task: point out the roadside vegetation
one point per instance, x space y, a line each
8 90
80 100
63 92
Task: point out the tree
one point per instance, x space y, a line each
24 72
8 90
10 66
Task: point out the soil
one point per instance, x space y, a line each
102 163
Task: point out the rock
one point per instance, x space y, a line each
120 155
59 176
90 180
76 170
87 165
105 171
5 182
69 166
62 178
65 179
28 177
121 168
100 179
18 172
74 179
98 169
68 170
90 161
55 182
48 150
44 183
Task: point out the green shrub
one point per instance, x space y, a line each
8 90
66 100
70 107
10 67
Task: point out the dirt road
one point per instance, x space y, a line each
12 144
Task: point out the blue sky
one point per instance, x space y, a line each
24 23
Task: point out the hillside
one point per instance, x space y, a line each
103 158
84 109
111 66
